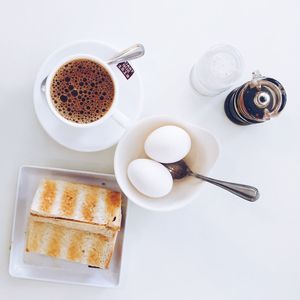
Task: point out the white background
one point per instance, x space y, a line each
219 247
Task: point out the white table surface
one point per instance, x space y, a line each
219 247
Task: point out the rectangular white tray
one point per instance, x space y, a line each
40 267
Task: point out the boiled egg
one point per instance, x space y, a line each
150 177
168 144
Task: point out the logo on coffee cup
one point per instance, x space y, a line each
126 69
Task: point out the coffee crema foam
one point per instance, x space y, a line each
82 91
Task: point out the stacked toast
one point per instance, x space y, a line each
76 222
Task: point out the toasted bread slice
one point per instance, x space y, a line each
69 244
90 206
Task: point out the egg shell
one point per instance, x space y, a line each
150 177
168 144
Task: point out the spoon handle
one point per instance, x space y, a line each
247 192
133 52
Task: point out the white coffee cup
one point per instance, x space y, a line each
113 111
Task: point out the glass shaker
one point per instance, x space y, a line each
217 70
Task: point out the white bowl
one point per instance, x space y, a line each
201 158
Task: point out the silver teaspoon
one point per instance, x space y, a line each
133 52
180 170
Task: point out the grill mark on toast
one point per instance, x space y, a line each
55 242
35 235
112 202
76 247
90 203
96 252
69 198
110 254
48 195
108 259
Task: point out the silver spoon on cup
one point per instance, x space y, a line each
133 52
180 170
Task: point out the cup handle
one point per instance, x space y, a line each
121 119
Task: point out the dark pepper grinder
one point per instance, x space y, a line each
256 101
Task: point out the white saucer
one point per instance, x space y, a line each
95 138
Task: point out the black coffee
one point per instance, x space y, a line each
82 91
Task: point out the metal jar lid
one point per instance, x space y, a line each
260 99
